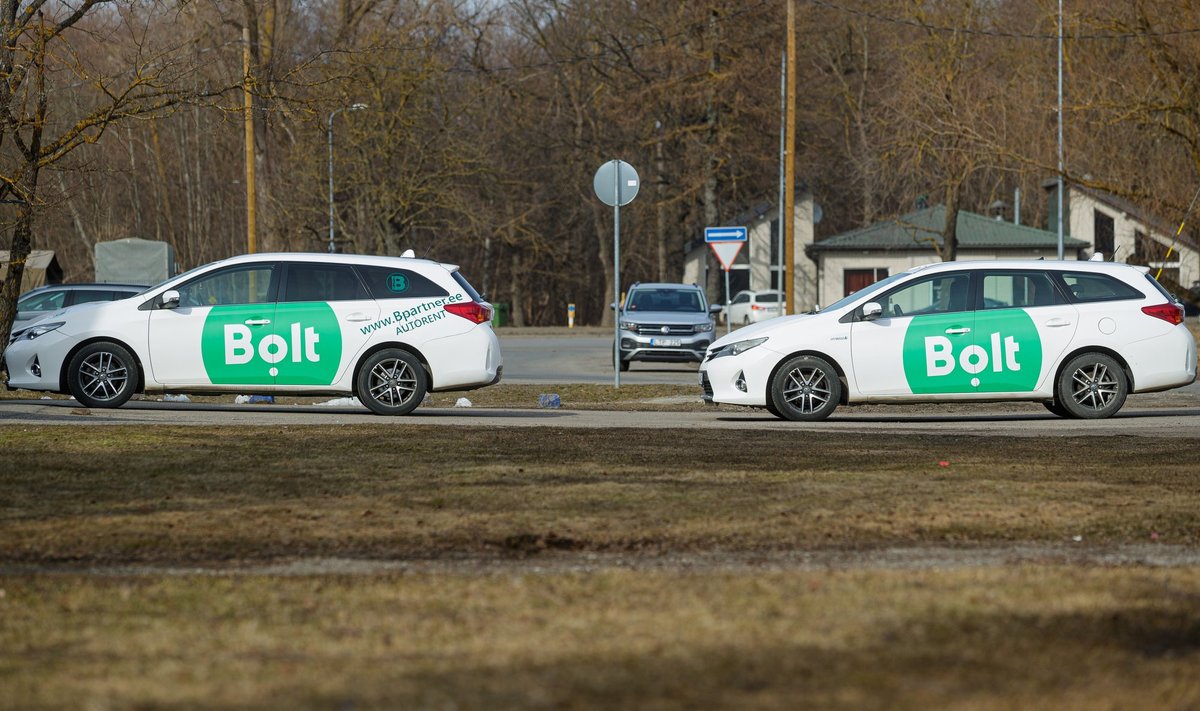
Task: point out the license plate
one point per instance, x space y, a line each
666 342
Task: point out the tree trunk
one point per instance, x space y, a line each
950 226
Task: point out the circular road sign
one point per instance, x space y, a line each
616 183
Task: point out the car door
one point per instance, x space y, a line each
1023 326
914 345
323 319
220 332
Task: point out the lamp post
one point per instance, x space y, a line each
329 135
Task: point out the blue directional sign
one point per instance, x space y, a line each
725 234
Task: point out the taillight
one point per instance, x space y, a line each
471 311
756 307
1171 313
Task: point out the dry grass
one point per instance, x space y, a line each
493 614
1014 638
118 494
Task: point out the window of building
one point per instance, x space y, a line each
1104 238
855 279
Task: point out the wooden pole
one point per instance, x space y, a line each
786 220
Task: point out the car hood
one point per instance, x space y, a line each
762 328
673 318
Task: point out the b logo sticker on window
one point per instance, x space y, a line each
397 283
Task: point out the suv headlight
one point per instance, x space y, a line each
703 327
629 326
740 347
36 330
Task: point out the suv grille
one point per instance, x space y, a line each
657 330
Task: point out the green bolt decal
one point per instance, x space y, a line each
302 345
1001 353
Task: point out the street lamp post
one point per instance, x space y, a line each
329 135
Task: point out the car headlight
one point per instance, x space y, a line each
628 326
703 327
36 330
740 347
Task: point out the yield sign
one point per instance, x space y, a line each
726 252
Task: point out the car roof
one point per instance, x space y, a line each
327 258
663 285
85 286
1018 264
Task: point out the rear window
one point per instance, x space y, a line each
1086 288
767 298
321 282
1160 288
389 283
466 286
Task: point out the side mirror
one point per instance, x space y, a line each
612 306
715 308
871 311
169 299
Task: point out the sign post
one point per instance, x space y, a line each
726 243
616 183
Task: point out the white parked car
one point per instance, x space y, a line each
383 328
747 307
1076 336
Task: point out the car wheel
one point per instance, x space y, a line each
745 320
805 388
1056 408
1091 386
392 382
624 366
102 374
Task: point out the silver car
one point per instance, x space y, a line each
38 302
671 323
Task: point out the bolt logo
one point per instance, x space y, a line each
1001 353
302 344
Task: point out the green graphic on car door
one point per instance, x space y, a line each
301 346
1003 354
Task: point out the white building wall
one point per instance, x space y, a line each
1083 208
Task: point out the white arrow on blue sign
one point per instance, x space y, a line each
725 234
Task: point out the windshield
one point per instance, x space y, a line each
676 300
865 291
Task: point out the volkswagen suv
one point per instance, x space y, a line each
670 323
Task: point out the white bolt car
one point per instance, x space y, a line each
1076 336
383 328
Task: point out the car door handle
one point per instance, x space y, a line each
353 318
1058 323
957 331
258 322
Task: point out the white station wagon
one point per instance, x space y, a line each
1076 336
387 329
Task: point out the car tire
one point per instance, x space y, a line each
1056 408
392 382
745 320
624 366
102 374
1091 386
805 388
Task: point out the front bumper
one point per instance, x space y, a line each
667 349
739 380
36 364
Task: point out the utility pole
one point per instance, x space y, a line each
786 220
248 96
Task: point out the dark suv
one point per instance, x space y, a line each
665 323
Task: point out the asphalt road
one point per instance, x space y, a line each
1015 420
581 359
